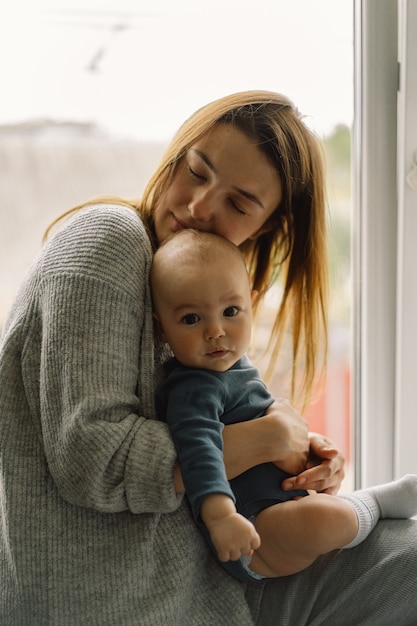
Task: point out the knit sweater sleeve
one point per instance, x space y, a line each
97 367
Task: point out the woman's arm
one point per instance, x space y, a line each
96 367
281 436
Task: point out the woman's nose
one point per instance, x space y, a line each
201 207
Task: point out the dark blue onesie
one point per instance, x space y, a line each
197 404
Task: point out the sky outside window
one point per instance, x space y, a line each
140 67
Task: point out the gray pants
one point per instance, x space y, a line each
374 584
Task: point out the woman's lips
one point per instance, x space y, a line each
179 225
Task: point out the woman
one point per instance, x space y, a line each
95 528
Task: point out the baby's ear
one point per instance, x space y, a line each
158 327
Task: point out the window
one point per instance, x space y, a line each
90 118
385 255
406 330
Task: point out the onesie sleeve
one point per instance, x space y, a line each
97 378
194 402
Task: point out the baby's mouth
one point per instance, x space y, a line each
217 352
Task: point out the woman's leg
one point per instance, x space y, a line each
373 584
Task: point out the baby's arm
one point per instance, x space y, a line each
194 420
232 534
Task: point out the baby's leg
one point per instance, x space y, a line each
293 534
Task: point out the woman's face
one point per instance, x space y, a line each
223 185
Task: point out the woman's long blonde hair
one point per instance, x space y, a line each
293 251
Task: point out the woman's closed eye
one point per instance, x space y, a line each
196 175
236 207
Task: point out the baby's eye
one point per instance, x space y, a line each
190 318
231 311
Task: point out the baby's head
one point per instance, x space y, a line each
202 299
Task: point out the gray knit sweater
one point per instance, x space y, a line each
91 530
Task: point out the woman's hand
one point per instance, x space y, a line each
293 448
282 437
324 468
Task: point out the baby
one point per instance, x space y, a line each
202 306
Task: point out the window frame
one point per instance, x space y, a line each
406 335
383 254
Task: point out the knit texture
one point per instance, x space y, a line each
92 531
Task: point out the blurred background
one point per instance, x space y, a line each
92 92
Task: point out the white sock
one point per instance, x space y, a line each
395 500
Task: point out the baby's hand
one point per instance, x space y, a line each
233 536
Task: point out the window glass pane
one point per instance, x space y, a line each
92 91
